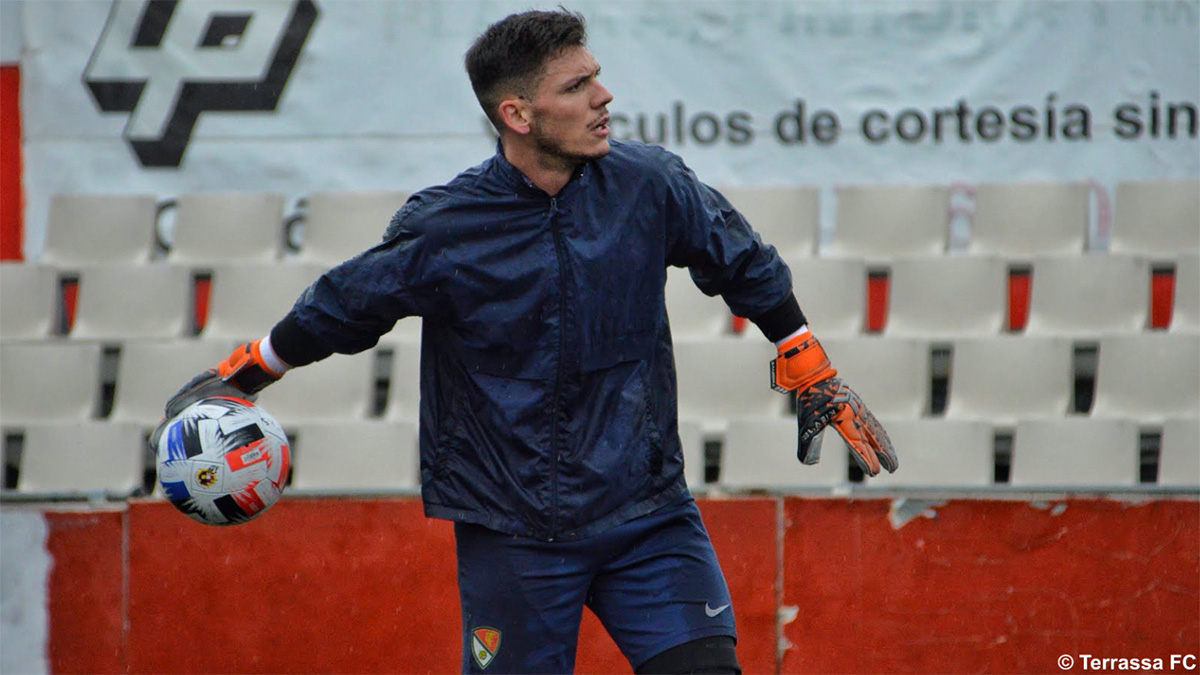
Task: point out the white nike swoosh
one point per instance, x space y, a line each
713 611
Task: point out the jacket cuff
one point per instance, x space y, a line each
295 346
781 321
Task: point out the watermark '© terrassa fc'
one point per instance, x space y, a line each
166 61
1092 663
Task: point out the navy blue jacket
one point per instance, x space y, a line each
548 400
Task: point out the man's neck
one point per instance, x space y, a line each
550 174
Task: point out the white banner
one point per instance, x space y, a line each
304 95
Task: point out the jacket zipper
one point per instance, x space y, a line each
556 427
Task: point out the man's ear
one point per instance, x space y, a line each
514 112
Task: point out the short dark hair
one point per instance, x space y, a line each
511 55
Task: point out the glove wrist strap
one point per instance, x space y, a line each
800 364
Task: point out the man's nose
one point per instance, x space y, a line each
603 96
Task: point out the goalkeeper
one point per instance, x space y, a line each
548 425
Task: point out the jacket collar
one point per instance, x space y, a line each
512 176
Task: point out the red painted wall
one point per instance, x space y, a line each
988 586
368 586
10 163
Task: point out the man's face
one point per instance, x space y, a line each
569 120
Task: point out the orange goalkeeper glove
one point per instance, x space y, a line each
823 399
242 374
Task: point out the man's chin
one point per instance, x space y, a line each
599 151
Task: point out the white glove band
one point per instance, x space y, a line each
270 358
800 331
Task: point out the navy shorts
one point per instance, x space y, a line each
653 582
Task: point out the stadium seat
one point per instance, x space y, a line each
340 224
1159 218
785 216
722 378
82 457
1148 376
404 380
1185 312
1017 220
1075 452
947 296
759 453
340 387
28 304
1007 378
247 299
354 456
691 437
691 312
884 221
407 329
83 229
832 293
222 227
48 381
936 453
116 302
892 375
150 371
1179 458
1086 295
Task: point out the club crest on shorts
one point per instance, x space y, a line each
485 644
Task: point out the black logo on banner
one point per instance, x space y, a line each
167 61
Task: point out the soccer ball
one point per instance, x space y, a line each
223 460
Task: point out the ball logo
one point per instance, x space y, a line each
167 61
206 476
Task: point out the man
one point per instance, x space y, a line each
548 407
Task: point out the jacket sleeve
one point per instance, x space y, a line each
350 306
725 256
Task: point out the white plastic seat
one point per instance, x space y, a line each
832 293
1083 295
690 311
247 299
358 455
1075 452
407 329
28 303
340 387
759 453
150 371
722 378
1159 218
223 227
785 216
1185 311
885 221
87 456
691 437
1009 378
947 296
99 228
1027 218
341 224
133 301
1148 376
937 453
404 380
48 381
1179 457
892 375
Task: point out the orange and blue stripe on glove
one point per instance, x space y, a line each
822 399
